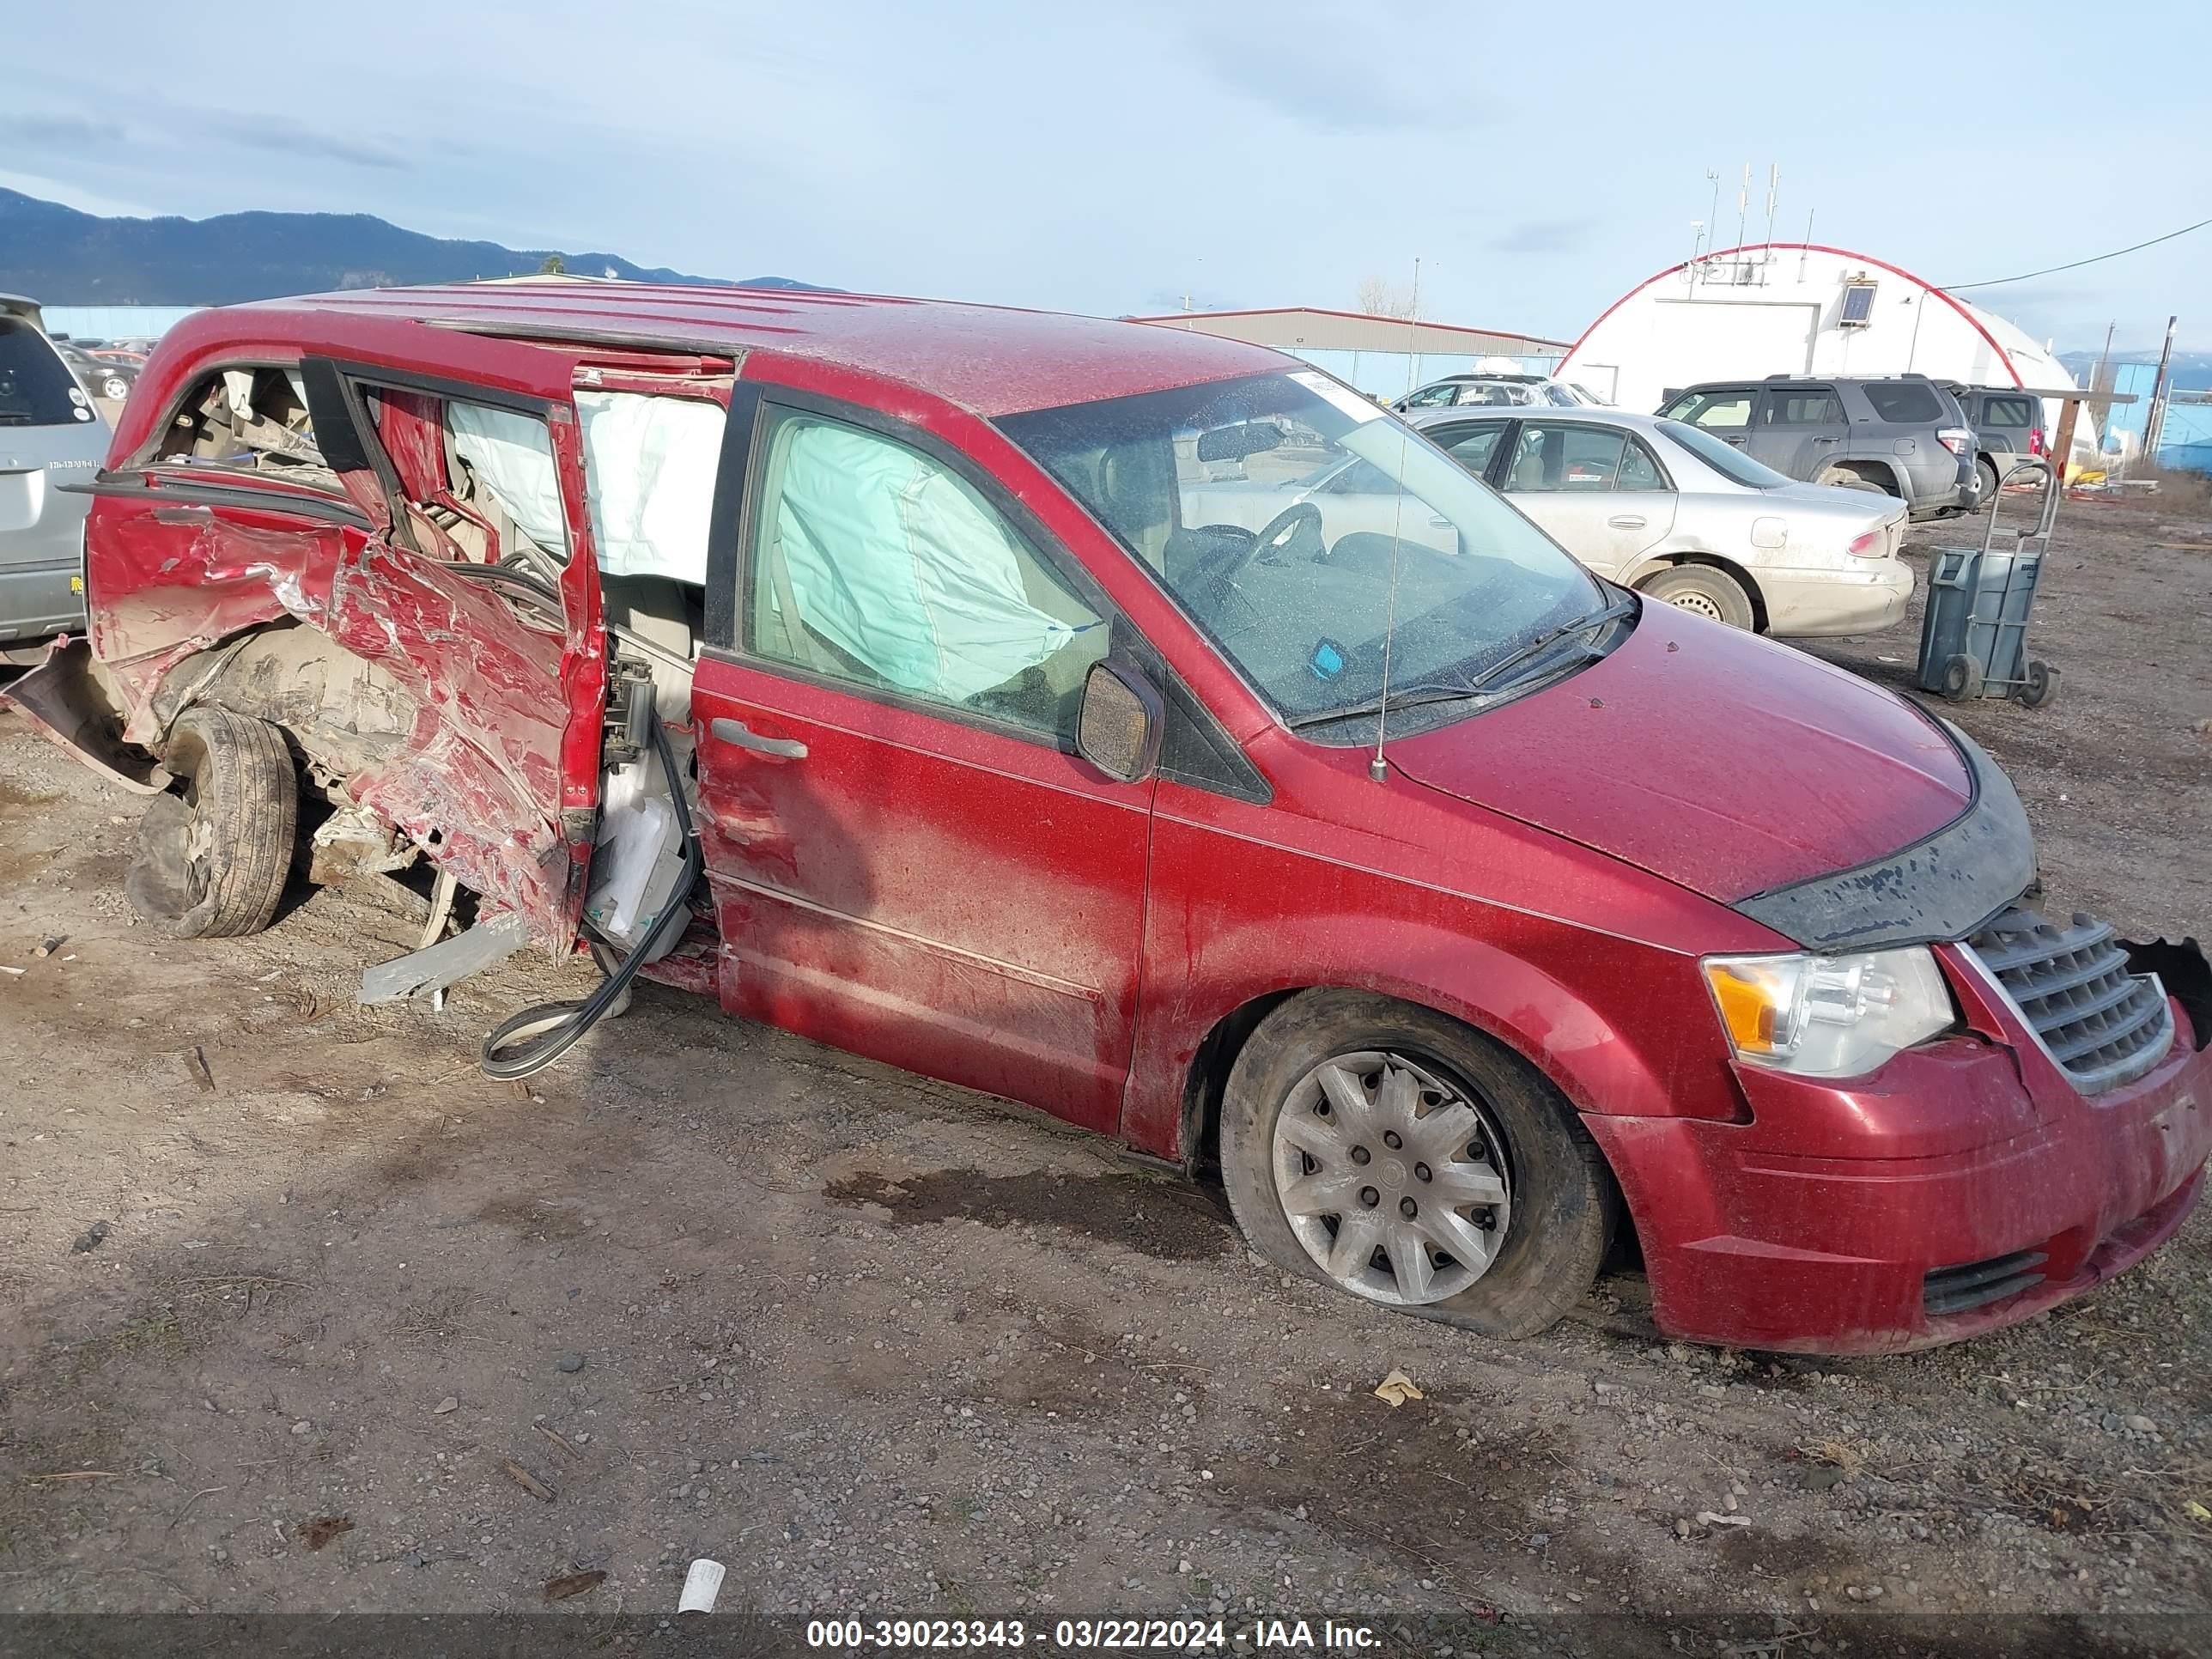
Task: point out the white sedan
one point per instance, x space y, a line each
1675 512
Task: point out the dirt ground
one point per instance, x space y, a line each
887 1348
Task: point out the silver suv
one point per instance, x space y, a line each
50 436
1905 435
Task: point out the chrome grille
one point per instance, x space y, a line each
2101 1023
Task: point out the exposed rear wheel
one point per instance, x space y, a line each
1704 590
1985 481
212 860
1409 1160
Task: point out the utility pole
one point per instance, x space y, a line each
2155 423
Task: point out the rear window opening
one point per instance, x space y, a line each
36 388
254 418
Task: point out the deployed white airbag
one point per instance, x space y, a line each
650 463
899 562
513 456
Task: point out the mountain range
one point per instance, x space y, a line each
61 257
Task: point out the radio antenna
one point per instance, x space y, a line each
1378 768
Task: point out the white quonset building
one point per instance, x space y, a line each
1797 308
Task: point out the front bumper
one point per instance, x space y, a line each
1814 1227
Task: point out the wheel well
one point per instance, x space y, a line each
1874 472
1744 578
1208 1081
1207 1084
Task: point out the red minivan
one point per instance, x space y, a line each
1000 695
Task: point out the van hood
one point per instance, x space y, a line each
1718 760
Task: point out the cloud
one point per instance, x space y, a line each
1542 236
277 134
67 132
1301 62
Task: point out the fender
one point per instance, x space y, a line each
1531 980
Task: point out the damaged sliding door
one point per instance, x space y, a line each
476 591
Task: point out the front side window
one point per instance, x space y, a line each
1299 587
876 565
1714 411
1495 394
1433 397
36 388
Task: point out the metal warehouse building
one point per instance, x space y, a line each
1384 357
1797 308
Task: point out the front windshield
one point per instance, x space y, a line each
1726 459
1282 510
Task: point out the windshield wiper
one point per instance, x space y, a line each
1415 696
1411 696
1490 676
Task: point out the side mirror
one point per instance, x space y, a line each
1121 722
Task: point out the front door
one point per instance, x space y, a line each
908 860
1595 489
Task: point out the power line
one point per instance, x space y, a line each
2052 271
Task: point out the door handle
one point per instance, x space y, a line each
736 731
1827 441
1626 521
1739 442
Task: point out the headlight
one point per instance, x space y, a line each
1829 1016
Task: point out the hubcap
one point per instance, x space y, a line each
1392 1177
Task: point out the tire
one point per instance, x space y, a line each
1985 481
1706 590
2039 686
1842 477
1962 679
213 859
1547 1230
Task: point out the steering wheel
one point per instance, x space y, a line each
1299 518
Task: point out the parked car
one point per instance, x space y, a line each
1459 907
1675 512
102 377
2008 425
1904 435
1499 391
51 435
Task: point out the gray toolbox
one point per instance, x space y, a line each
1973 637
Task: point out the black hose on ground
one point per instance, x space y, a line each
536 1037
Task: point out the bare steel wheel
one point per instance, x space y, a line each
1401 1155
1392 1178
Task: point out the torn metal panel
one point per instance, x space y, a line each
64 700
448 963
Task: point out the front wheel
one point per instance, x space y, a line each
1402 1157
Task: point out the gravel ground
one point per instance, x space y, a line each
366 1332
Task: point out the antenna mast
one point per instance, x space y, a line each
1377 767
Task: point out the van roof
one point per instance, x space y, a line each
992 359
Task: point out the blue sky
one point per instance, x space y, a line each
1538 160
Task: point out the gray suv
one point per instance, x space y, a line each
1905 436
2008 426
50 436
